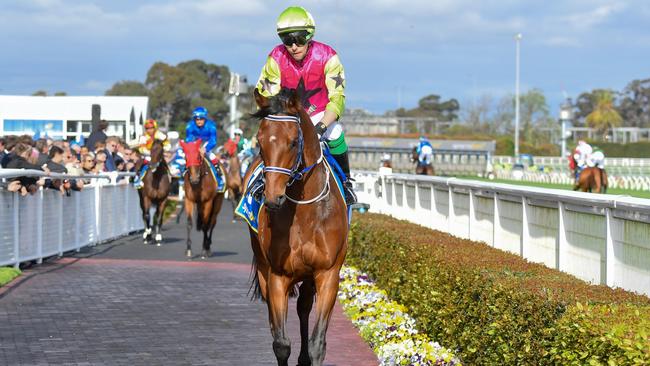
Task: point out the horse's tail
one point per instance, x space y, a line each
254 290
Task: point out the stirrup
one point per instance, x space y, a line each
350 195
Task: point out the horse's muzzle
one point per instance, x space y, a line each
275 205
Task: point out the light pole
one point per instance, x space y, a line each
517 40
233 90
566 115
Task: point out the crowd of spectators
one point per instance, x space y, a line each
106 154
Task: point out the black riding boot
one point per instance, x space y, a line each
344 163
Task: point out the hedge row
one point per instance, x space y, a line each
494 308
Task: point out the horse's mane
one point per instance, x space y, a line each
277 104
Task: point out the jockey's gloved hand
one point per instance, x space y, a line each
321 128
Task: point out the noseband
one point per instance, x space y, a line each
295 173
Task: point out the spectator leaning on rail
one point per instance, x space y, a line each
111 149
55 164
299 57
22 154
200 127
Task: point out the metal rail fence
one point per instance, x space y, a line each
47 223
603 239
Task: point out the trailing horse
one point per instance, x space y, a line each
592 179
234 179
302 227
201 194
421 168
154 191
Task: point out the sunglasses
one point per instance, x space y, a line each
299 38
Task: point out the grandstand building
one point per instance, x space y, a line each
69 118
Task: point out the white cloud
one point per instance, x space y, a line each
586 20
96 86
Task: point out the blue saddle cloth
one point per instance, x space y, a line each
252 200
219 176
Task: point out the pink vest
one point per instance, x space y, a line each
311 69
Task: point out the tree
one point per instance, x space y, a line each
533 113
432 106
604 116
176 90
60 94
40 93
128 88
634 107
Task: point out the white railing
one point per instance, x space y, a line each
48 223
603 239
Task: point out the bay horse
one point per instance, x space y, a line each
420 167
201 195
234 179
592 179
154 191
302 227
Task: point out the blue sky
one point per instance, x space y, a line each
455 48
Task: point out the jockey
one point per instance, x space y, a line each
145 142
200 127
425 151
597 158
581 156
299 57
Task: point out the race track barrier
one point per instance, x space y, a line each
602 239
48 223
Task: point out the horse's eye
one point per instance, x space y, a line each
294 143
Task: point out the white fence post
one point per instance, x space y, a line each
525 230
472 214
610 259
77 222
496 227
39 226
16 214
60 221
98 211
560 255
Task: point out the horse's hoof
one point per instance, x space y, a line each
188 253
206 254
158 243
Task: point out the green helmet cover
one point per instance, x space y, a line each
296 18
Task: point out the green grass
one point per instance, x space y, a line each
618 191
7 274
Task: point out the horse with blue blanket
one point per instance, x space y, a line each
302 223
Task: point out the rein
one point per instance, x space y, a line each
295 173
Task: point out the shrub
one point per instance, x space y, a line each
491 306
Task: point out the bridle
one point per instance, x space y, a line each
295 173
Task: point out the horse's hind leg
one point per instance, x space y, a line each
327 285
305 302
278 299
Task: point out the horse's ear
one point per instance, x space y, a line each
182 143
261 101
294 105
198 142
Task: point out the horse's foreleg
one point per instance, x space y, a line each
189 210
327 286
160 213
278 299
208 224
305 302
146 217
